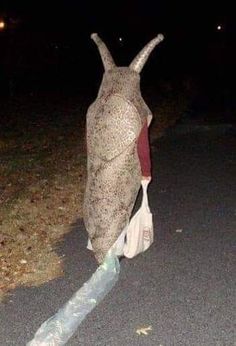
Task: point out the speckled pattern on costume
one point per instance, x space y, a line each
114 122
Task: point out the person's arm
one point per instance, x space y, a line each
144 153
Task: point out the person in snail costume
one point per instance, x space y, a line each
117 159
117 149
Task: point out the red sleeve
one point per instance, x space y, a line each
144 151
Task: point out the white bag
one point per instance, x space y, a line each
139 234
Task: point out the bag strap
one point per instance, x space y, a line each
145 204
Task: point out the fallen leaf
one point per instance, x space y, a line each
23 261
179 230
143 330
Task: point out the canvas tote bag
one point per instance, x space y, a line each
139 234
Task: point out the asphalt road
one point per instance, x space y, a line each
184 286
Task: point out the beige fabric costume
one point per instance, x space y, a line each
114 121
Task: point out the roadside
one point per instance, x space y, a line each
42 172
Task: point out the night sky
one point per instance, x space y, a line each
192 41
178 18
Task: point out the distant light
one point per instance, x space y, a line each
2 25
219 27
120 39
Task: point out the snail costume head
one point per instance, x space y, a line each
114 121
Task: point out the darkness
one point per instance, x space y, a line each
46 47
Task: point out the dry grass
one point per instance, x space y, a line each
42 172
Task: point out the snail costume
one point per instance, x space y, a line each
114 122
